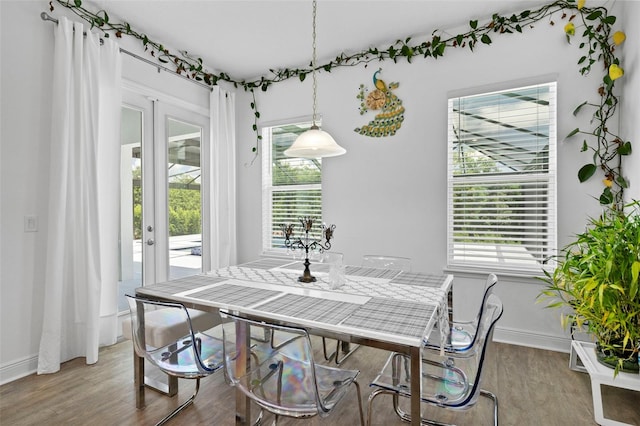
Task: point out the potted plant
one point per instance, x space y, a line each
597 278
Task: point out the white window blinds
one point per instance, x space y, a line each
502 179
291 187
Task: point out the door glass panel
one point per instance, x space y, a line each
184 198
130 204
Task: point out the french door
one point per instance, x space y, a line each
163 191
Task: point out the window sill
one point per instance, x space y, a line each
525 276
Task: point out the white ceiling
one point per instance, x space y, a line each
246 38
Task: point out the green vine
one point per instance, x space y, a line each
608 148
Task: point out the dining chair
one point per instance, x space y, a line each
346 349
463 333
196 354
451 381
163 326
283 378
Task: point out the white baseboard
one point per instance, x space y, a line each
532 340
18 369
29 365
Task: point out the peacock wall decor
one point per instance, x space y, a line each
391 115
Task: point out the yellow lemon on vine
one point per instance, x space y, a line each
607 183
570 29
619 37
581 4
615 72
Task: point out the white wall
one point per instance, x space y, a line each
388 195
385 196
26 110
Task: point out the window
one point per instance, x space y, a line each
291 187
502 179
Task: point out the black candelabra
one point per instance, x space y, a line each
307 242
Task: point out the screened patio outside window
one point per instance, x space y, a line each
502 179
291 187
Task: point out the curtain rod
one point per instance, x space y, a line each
46 17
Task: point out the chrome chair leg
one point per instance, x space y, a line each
259 418
324 350
372 396
359 402
182 406
494 399
407 418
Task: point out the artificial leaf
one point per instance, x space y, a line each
635 272
575 111
622 182
615 71
594 15
625 148
573 132
485 39
606 197
473 24
586 172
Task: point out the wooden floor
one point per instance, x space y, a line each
534 387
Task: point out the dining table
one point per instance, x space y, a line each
382 308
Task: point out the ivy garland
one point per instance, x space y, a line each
597 42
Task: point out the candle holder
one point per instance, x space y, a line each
307 243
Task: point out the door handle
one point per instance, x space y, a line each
150 242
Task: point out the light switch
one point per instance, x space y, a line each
31 223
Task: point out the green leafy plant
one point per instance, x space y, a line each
597 278
597 41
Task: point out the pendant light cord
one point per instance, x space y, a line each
313 64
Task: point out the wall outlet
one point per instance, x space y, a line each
31 223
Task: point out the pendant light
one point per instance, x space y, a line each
314 143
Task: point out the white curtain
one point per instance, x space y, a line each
80 294
223 185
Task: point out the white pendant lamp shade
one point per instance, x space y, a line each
314 143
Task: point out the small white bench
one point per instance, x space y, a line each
600 375
162 328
